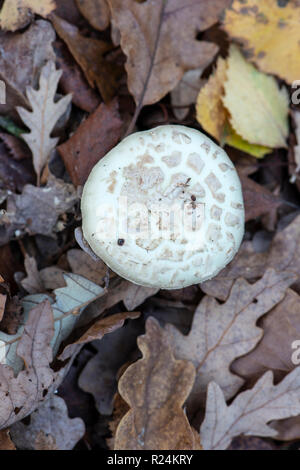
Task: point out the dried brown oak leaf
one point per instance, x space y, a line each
89 54
73 80
14 174
50 428
156 388
81 263
96 12
258 200
16 14
281 327
20 65
159 40
33 282
44 115
250 411
222 332
37 209
100 374
283 254
5 441
98 134
101 327
20 395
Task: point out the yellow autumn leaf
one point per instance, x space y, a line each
213 116
269 31
210 111
236 141
15 14
258 108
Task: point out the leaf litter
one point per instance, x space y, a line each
212 366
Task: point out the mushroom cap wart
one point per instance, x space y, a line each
164 208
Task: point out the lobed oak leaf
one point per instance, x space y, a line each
156 57
275 351
222 332
283 255
20 395
251 410
155 387
44 115
70 302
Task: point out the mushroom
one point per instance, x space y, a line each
164 208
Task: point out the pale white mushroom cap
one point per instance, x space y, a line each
170 173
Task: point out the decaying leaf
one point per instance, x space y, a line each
5 441
246 90
45 113
222 332
15 14
186 92
100 328
155 387
32 283
37 209
211 113
287 429
135 295
269 33
96 12
275 350
50 428
93 139
88 53
14 175
81 263
21 64
258 200
69 303
283 255
99 376
214 117
20 395
156 57
250 411
73 80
